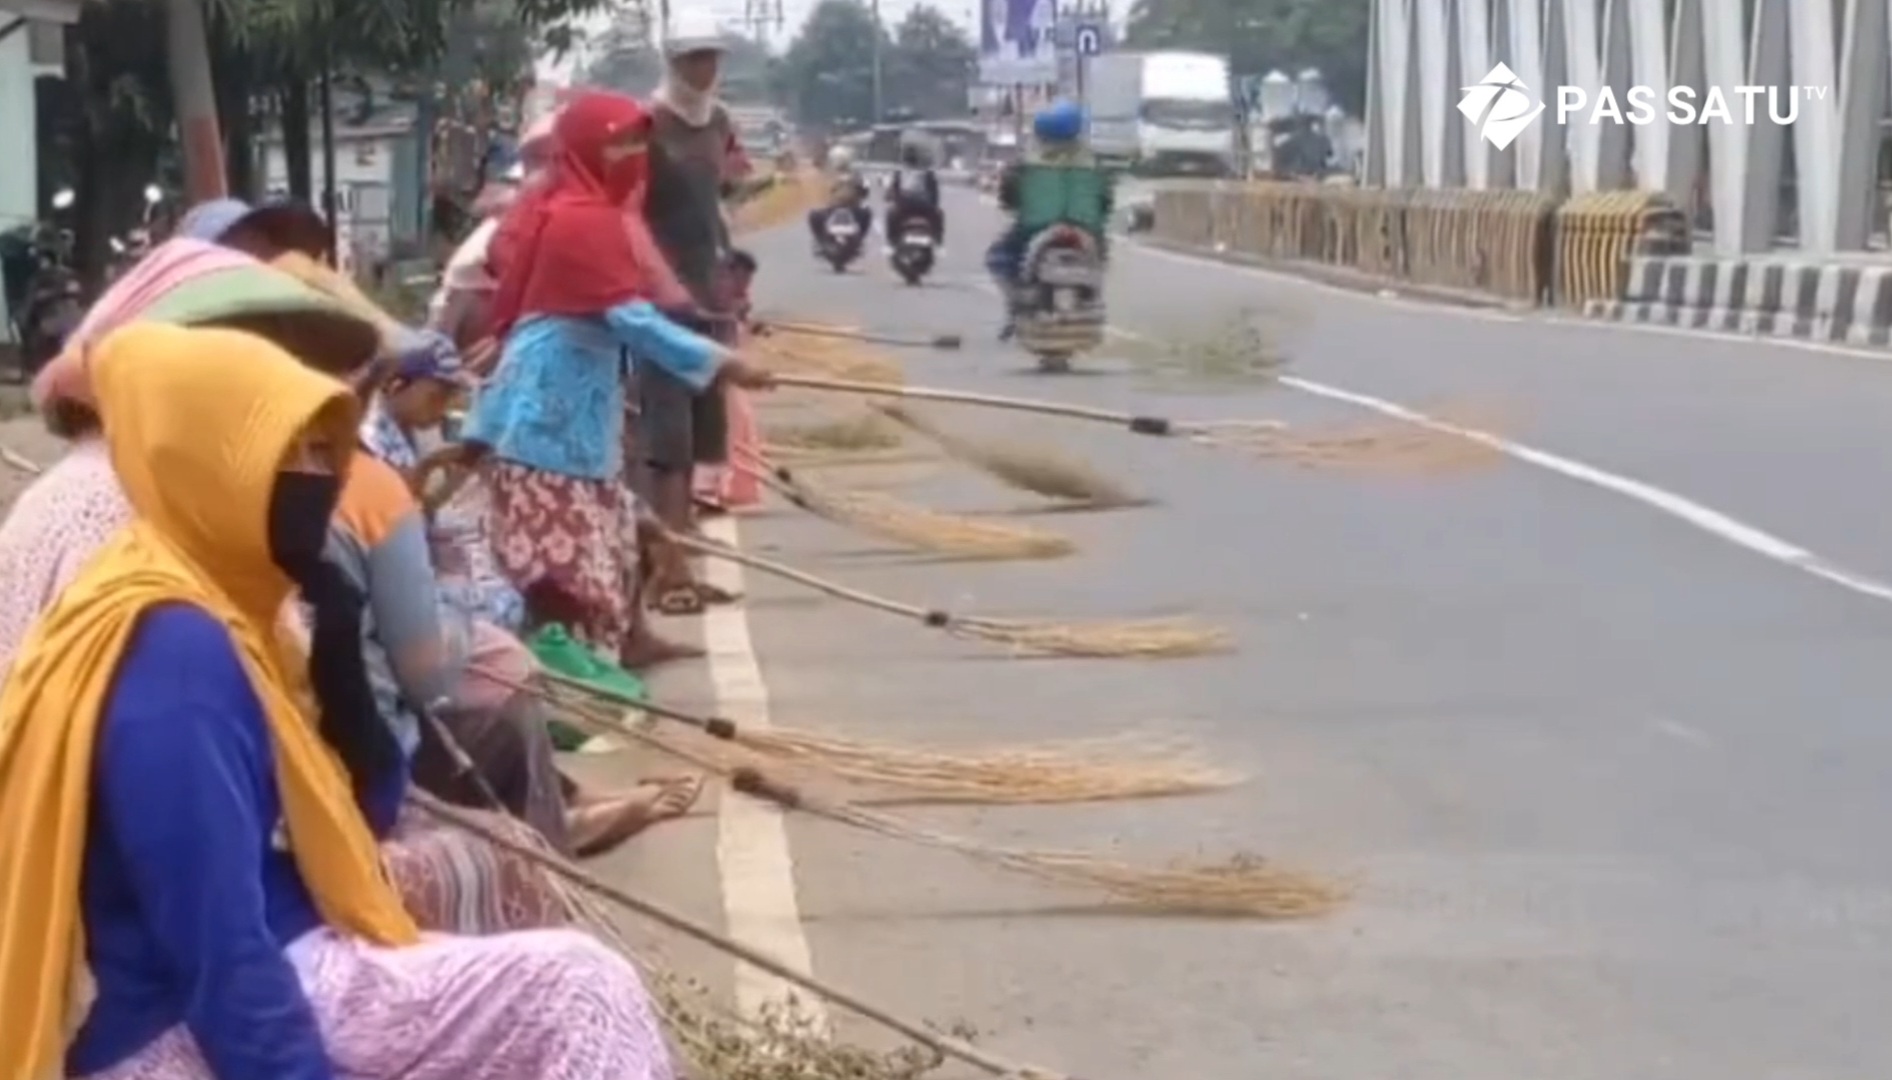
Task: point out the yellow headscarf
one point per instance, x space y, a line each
212 412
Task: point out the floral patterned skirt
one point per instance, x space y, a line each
568 532
546 1004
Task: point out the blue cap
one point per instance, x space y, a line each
291 224
208 221
428 354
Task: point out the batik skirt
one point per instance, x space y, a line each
545 1004
568 532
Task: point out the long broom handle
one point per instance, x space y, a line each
1140 425
839 592
559 867
938 341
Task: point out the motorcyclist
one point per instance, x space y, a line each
914 193
1058 130
848 191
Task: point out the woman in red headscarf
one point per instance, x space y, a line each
574 304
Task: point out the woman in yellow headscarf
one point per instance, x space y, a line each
188 888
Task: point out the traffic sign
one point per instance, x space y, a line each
1088 39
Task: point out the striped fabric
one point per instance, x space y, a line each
167 266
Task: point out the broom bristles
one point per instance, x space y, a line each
836 358
1087 770
865 431
1027 468
923 529
1121 639
1241 887
1084 771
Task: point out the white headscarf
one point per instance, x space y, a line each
696 33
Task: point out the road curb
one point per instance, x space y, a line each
1845 303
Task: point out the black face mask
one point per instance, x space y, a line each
300 507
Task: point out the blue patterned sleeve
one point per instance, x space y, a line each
653 337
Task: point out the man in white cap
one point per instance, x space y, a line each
696 161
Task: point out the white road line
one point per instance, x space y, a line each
752 855
1681 732
1706 518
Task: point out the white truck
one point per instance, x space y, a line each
1164 113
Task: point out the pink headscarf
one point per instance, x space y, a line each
168 265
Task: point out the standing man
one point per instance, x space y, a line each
695 162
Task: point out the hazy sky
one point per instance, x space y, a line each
794 13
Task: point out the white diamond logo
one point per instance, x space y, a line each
1500 106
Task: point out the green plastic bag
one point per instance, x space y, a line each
557 651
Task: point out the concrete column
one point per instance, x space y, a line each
1864 60
1395 140
1812 62
1554 165
1484 168
1686 142
1442 130
1725 66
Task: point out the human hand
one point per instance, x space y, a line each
481 357
747 374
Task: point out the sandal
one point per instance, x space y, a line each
677 600
711 594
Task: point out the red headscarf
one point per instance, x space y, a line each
562 248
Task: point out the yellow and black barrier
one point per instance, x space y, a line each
1493 242
1597 233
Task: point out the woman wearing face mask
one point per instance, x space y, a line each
451 880
188 887
573 305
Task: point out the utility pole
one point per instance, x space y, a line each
879 109
188 53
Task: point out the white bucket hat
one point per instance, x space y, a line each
693 31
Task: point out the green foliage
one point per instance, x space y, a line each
625 58
827 78
1265 35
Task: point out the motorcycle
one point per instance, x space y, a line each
912 254
1058 303
42 291
841 238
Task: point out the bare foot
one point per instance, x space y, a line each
647 651
603 826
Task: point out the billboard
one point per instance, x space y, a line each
1017 42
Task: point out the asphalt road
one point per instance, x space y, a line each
1613 787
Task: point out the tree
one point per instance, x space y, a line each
932 64
1264 35
827 77
625 57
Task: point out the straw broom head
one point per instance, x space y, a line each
862 431
1083 770
837 358
919 528
1027 468
1377 446
1119 639
1077 771
1240 887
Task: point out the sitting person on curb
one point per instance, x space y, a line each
189 883
427 658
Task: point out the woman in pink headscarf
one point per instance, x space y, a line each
450 880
